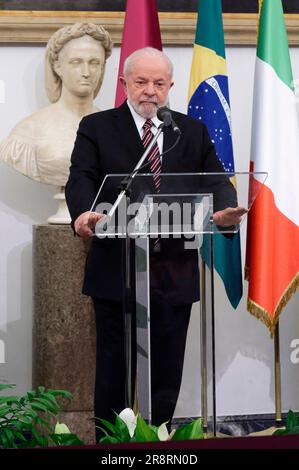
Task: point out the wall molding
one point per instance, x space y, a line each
176 28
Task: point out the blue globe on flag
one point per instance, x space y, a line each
210 104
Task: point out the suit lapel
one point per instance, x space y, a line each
132 149
128 133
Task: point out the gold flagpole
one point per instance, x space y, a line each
278 417
203 346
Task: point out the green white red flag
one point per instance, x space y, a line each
272 259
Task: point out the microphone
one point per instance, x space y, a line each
164 114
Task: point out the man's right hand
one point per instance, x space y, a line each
86 222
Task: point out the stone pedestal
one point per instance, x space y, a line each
64 326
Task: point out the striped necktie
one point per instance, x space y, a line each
154 156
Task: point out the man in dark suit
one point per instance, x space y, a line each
112 142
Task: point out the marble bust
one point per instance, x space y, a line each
40 145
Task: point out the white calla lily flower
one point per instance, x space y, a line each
61 428
130 419
163 434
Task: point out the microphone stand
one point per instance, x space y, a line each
102 227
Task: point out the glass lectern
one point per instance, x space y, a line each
179 218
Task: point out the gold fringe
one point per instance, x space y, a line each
262 314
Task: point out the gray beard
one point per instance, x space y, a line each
144 113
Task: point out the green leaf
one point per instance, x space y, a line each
189 431
143 432
43 422
6 386
294 430
154 428
32 414
3 440
40 439
121 430
22 402
280 432
66 439
5 410
30 444
20 436
19 425
61 393
292 420
49 396
16 424
103 430
39 406
31 395
25 419
108 425
9 400
44 441
10 437
49 405
108 440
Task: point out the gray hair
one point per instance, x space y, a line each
56 43
150 51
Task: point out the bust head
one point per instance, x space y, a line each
41 144
66 51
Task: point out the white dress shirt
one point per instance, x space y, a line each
139 122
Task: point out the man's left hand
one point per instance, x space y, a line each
229 216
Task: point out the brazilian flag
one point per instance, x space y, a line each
209 103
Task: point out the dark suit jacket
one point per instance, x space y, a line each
108 142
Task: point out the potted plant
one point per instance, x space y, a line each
129 427
31 420
292 425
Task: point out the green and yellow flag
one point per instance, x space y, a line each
209 103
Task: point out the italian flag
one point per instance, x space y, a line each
273 226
